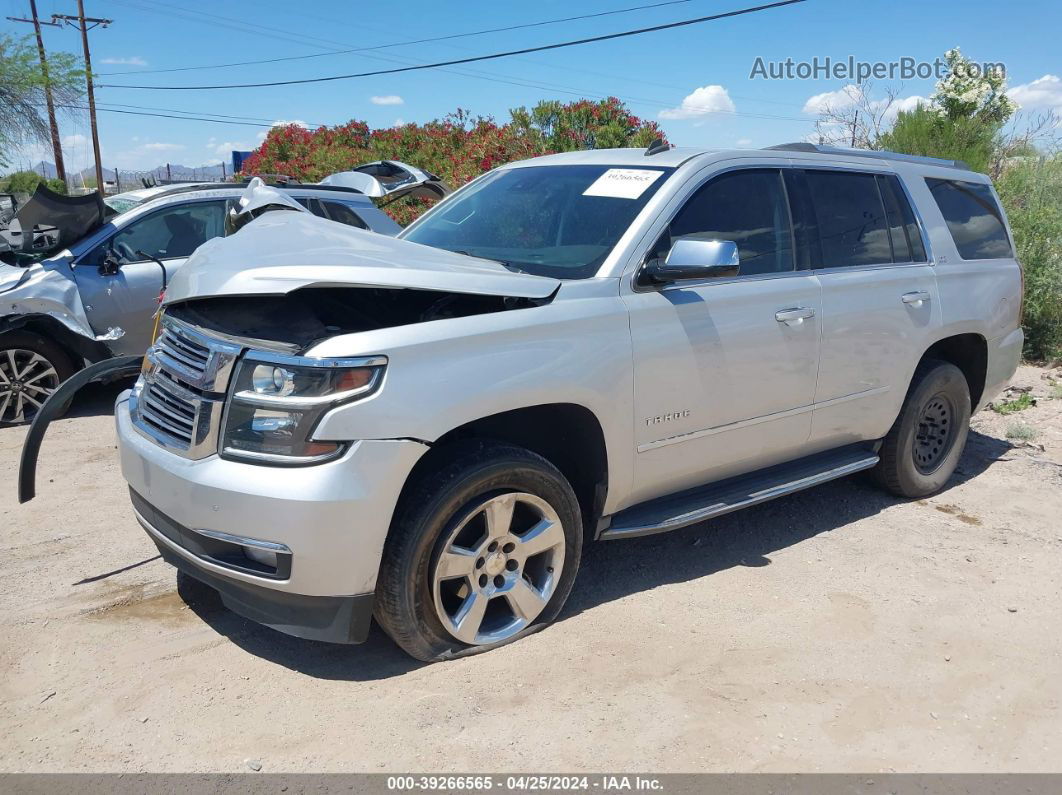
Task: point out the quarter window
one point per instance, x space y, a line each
907 245
746 207
851 219
973 218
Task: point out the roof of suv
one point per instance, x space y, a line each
642 158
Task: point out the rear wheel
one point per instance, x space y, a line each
922 449
482 552
31 368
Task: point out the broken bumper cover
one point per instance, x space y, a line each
330 522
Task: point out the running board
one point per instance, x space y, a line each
706 502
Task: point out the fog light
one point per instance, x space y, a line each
264 556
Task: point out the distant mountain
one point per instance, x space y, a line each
177 173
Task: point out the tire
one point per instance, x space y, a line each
923 447
439 572
43 365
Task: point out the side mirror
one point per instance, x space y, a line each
695 259
112 263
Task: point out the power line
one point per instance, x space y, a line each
449 37
257 30
492 56
102 109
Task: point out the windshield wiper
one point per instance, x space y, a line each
503 263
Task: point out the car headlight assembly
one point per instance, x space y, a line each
277 402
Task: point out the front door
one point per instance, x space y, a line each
725 369
126 300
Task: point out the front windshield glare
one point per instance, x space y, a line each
559 221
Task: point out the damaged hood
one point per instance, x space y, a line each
72 217
284 251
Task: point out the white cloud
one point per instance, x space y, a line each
133 60
703 100
744 142
226 148
905 104
74 141
290 123
387 99
399 122
837 100
1044 92
162 147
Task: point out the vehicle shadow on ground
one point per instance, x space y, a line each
612 570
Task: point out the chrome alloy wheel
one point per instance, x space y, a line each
26 381
498 568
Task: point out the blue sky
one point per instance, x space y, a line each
654 73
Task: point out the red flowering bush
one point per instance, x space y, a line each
458 147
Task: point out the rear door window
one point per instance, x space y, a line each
851 218
973 218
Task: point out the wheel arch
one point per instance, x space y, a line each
568 435
79 349
968 352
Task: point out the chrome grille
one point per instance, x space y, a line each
182 353
179 400
167 408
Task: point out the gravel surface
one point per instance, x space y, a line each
836 630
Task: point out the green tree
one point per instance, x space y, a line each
457 147
23 117
1031 191
27 182
964 118
926 131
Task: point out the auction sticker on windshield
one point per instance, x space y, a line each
623 183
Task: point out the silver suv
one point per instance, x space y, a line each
96 295
332 425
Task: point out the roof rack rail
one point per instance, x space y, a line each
804 146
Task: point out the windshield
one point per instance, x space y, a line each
120 204
559 221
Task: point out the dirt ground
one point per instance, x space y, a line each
836 630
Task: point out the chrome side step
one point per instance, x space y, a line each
707 502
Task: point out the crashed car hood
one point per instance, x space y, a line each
285 251
73 217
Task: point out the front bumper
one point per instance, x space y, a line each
333 518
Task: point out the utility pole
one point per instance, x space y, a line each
57 149
83 24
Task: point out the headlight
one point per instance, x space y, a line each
277 403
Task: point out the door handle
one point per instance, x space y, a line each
794 316
917 298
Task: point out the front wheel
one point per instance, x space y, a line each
31 368
922 449
481 553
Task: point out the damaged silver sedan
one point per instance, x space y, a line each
80 283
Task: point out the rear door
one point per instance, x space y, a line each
127 299
880 305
